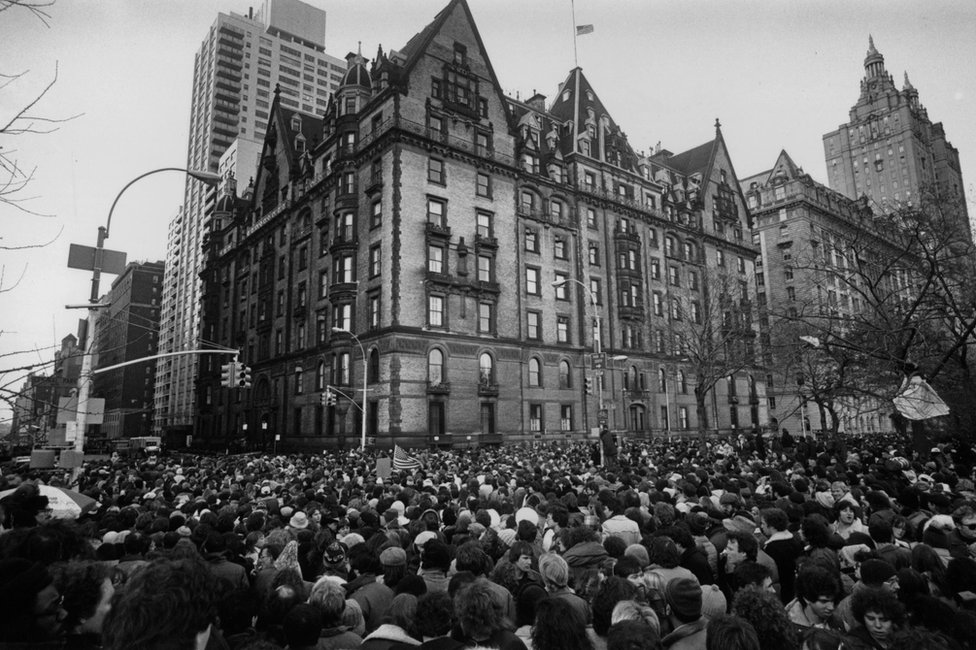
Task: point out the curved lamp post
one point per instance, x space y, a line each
84 380
362 432
597 335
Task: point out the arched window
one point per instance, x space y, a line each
486 369
374 366
690 251
662 380
565 375
435 367
320 376
631 379
682 382
535 372
732 389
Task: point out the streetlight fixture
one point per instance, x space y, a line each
362 434
597 336
84 380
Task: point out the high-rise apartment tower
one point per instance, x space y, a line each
239 64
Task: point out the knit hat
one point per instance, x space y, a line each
335 553
740 523
298 520
639 553
713 602
424 537
875 572
506 536
286 511
393 556
528 514
684 596
352 539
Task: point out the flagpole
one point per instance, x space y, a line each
572 4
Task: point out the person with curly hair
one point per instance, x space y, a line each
481 620
559 626
729 632
817 590
767 615
611 591
87 590
633 635
164 605
879 615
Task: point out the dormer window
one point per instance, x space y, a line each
460 54
299 142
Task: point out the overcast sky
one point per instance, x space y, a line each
777 73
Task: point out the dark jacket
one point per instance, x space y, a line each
697 562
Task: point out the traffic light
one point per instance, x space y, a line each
243 376
329 397
227 372
588 384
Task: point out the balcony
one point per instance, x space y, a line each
627 235
300 311
485 241
440 388
487 389
484 286
348 288
631 313
438 230
375 184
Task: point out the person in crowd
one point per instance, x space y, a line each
481 621
368 589
731 633
847 519
879 615
559 626
31 607
817 591
875 575
328 596
687 625
472 558
767 616
165 604
303 624
435 563
87 590
783 547
238 611
398 628
555 576
633 635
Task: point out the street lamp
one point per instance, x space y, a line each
84 380
613 386
597 336
362 434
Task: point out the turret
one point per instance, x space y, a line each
873 62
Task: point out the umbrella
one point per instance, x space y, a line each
64 503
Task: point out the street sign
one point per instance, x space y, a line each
602 416
599 360
88 258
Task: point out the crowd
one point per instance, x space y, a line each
723 545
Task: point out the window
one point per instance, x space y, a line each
348 183
483 187
487 418
435 367
302 298
531 240
683 417
594 254
535 417
566 417
720 257
485 268
693 280
655 269
323 284
589 179
674 278
376 214
675 309
486 369
485 225
486 317
532 320
320 376
375 260
435 171
374 310
790 293
562 329
344 227
299 381
696 316
657 304
528 202
435 311
373 372
303 258
556 211
560 288
559 248
682 382
596 290
532 281
342 316
535 373
343 270
435 259
740 265
436 212
565 375
591 217
662 380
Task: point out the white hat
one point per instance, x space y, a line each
527 514
424 537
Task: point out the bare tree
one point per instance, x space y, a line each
893 297
713 332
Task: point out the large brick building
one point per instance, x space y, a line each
474 244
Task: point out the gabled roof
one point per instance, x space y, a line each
694 160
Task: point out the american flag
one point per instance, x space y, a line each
584 29
404 461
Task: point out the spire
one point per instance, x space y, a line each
718 126
908 84
873 61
